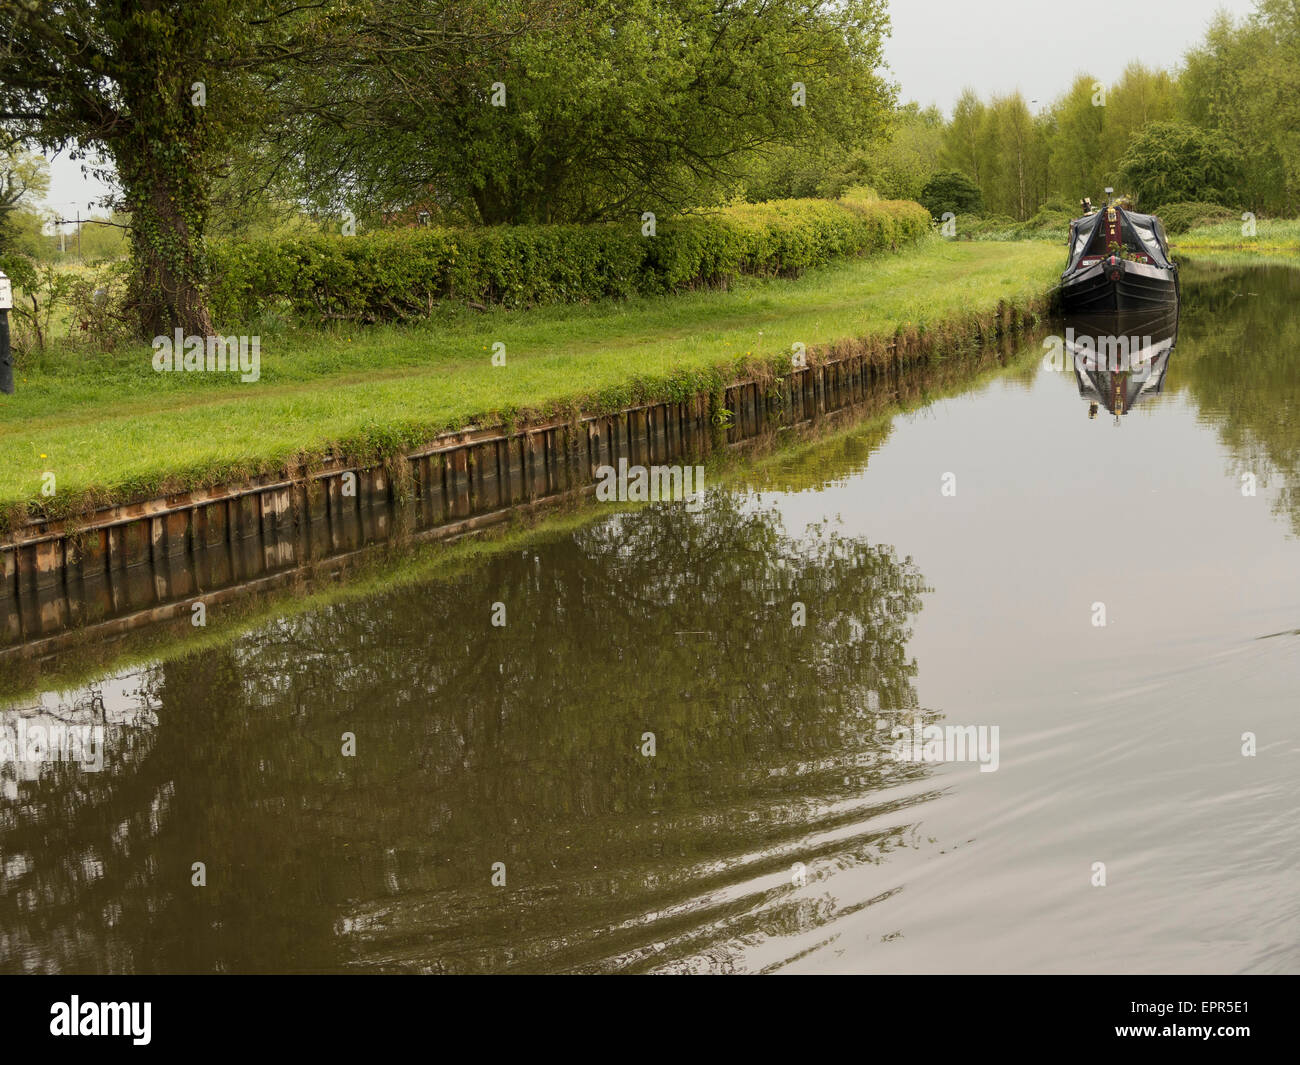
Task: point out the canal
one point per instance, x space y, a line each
673 737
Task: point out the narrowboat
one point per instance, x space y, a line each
1119 261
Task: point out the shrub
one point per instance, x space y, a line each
1060 205
100 315
1050 221
1168 162
403 274
951 190
45 292
1188 214
19 268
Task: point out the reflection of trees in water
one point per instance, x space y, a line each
819 464
1240 359
518 744
830 458
70 840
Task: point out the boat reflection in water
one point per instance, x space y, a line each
1120 359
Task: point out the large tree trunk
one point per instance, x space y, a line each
169 268
165 159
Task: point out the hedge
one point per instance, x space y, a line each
401 274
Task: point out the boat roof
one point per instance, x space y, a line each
1144 219
1140 232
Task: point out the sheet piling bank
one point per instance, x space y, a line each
128 566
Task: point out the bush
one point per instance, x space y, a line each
1051 220
1188 214
1171 162
1060 205
45 290
1046 224
100 314
19 268
951 190
403 274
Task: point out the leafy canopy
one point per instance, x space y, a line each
596 109
1176 161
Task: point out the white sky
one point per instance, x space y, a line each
939 47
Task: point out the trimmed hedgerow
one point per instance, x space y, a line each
394 275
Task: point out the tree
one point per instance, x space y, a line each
1242 82
23 178
902 166
24 234
961 146
1009 158
1140 97
1167 162
131 79
103 238
162 87
1003 148
1075 161
612 108
951 190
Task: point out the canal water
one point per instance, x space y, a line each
681 745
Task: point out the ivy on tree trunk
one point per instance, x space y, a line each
166 190
164 163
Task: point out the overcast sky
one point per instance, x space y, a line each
939 47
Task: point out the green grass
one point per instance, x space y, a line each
109 427
1272 237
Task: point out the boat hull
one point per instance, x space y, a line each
1119 286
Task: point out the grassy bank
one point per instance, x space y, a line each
1273 237
112 429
